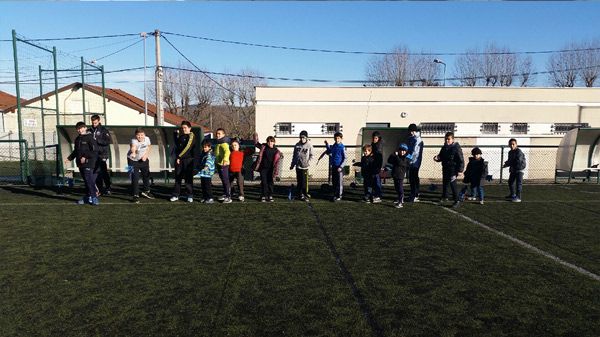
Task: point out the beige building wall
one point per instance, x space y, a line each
468 108
353 108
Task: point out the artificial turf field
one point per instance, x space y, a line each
299 269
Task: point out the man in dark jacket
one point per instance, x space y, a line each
400 161
185 152
516 164
453 164
86 154
377 146
102 138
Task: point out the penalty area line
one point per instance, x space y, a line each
528 246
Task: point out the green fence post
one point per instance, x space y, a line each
18 92
55 84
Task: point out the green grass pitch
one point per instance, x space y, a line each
292 268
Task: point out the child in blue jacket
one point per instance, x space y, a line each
337 157
207 170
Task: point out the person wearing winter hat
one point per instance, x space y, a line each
303 153
415 150
400 161
475 174
377 148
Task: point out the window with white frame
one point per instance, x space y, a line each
560 128
519 128
283 128
330 128
437 128
489 128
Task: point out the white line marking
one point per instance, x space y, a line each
528 246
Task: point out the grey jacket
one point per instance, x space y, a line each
303 154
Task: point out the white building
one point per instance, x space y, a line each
122 108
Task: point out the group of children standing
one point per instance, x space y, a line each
227 161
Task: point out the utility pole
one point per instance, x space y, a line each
158 78
144 35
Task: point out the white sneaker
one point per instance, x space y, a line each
481 202
227 201
190 199
209 201
263 199
376 200
174 198
396 202
223 197
416 199
399 205
241 198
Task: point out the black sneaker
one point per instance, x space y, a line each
135 199
456 204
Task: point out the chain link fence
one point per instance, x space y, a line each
541 163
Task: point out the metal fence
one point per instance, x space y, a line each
541 163
13 161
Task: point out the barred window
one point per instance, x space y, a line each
560 128
489 128
330 128
437 128
283 128
520 128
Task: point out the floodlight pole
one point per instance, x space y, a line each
441 62
158 78
144 35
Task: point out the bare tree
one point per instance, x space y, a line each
239 98
563 66
467 68
390 69
423 71
589 62
525 71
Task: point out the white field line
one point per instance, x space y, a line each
527 246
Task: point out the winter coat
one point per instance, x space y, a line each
303 154
222 151
516 160
415 149
207 164
399 165
337 154
452 159
85 147
258 164
185 146
370 165
102 138
476 172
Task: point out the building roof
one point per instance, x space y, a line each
116 95
7 100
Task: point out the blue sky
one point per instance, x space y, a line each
365 26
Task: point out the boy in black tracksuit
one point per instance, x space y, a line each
400 160
86 154
102 138
185 151
516 164
475 174
453 164
370 167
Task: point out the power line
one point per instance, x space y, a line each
374 52
200 70
79 75
104 45
370 81
70 38
118 51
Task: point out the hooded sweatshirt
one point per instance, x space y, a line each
222 151
303 154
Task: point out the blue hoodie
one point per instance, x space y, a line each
207 165
337 154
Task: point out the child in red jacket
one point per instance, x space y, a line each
236 164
